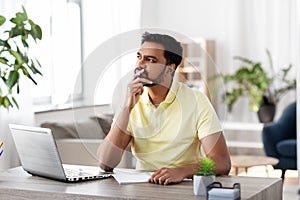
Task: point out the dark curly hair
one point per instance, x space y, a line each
173 49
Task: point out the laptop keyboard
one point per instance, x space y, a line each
76 173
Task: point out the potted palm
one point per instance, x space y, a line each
264 90
15 60
204 176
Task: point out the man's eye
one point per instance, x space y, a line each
152 60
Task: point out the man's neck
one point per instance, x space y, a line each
158 93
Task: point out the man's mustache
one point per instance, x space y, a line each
141 75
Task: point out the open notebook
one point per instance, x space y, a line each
125 176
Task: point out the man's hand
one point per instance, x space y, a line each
134 91
165 176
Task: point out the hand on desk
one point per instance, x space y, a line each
165 176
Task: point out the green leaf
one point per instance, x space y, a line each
16 31
3 60
35 31
17 56
13 78
270 61
21 17
23 57
26 73
39 32
18 21
2 20
38 63
6 102
24 37
3 79
33 68
24 12
15 102
245 60
25 44
4 44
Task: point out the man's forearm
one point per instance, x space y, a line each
189 170
111 149
223 166
222 163
109 155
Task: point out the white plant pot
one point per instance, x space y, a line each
201 182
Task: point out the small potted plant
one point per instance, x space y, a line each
204 176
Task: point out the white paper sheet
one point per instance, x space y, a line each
125 176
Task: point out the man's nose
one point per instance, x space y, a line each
141 62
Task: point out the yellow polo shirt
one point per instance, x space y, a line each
169 135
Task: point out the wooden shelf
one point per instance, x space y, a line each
197 64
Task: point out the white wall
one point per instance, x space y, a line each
193 18
245 28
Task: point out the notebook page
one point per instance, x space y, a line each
124 176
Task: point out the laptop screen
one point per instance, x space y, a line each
37 151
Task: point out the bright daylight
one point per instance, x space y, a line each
132 99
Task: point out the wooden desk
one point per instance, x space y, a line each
17 184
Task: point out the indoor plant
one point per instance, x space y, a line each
204 176
264 90
14 55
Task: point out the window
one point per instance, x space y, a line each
59 51
68 40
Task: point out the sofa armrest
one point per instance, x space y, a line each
287 148
84 152
272 133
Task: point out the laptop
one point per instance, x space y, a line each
39 156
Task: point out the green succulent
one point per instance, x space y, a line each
207 167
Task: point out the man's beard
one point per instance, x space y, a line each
159 79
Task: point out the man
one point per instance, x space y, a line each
170 126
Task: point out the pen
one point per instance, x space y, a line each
138 76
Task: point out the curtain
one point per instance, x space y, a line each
255 26
102 21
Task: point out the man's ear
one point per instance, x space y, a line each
171 68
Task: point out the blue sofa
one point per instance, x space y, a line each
279 139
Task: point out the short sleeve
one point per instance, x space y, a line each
207 121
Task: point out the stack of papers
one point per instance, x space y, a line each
224 194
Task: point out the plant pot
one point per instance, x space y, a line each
266 113
201 182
